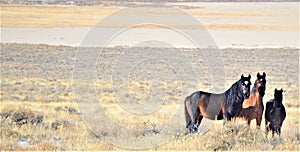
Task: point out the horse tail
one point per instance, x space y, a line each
186 111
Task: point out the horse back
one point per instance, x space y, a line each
210 105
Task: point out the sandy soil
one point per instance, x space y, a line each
77 37
249 25
48 70
43 75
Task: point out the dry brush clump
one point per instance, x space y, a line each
235 136
45 126
21 116
62 128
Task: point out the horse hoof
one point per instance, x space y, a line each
193 130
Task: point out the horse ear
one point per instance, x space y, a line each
249 77
281 90
264 75
258 75
242 77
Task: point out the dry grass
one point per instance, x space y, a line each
56 16
40 83
63 127
57 125
72 134
52 16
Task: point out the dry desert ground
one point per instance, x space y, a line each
42 87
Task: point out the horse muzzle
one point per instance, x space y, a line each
261 91
262 94
278 106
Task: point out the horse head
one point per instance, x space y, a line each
278 97
245 83
260 84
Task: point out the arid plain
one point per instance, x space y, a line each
39 109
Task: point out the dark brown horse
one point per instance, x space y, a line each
253 107
216 106
275 113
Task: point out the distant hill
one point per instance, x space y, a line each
120 2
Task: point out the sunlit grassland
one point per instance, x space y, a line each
63 127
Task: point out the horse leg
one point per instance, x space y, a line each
194 112
266 127
258 122
193 118
193 127
226 117
266 123
199 120
248 122
279 131
187 115
190 126
190 114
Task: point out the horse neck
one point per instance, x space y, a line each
233 93
258 98
274 102
277 112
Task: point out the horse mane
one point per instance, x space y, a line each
234 98
232 95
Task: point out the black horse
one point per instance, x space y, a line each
216 106
275 113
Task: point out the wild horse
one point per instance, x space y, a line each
253 107
275 113
216 106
